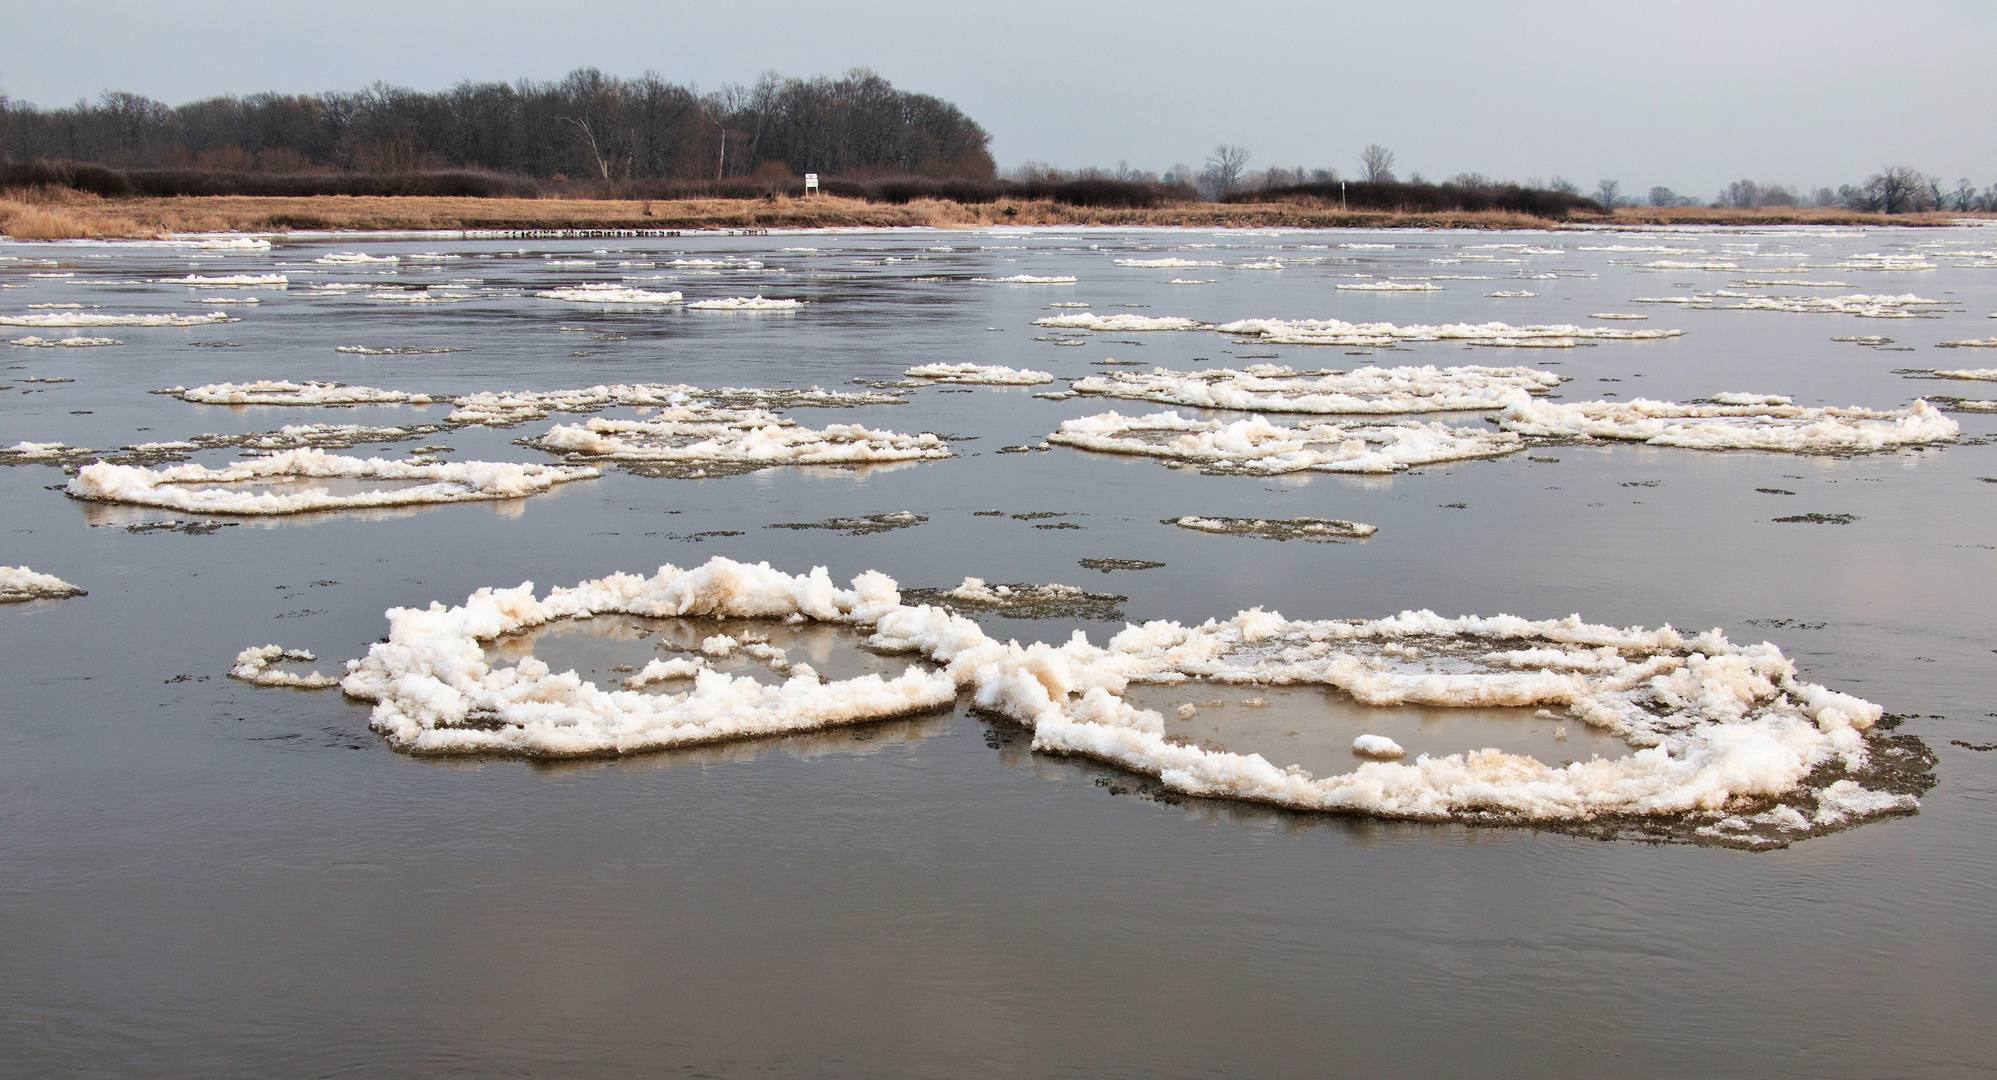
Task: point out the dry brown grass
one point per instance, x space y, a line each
62 214
1772 215
44 214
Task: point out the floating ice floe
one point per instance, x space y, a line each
1368 390
399 350
506 408
1732 422
1164 264
1970 343
503 409
608 293
280 392
745 303
1674 264
1256 446
196 488
1069 304
1125 323
354 258
1390 286
1319 529
1027 279
705 441
278 281
255 665
1265 264
1718 730
1377 746
84 318
1880 306
1512 294
1613 315
1794 283
290 437
1877 261
64 343
1021 600
19 584
1340 332
980 374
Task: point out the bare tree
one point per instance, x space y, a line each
1376 164
1965 194
1609 193
1896 189
1224 169
602 166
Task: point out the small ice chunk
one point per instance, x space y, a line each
255 665
18 584
1377 746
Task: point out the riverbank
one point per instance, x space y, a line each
65 215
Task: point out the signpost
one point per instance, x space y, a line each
810 182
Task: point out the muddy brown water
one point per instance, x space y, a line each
199 878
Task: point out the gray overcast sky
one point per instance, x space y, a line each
1690 94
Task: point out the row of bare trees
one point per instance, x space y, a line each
587 124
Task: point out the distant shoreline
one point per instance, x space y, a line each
83 216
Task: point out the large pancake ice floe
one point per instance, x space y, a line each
1729 743
196 488
88 318
1732 422
1269 388
1370 335
1256 446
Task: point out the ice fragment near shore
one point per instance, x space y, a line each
1256 446
19 584
1368 390
195 488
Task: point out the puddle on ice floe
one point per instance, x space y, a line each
1314 726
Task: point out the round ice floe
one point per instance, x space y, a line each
86 318
1732 422
982 374
1119 323
435 692
191 487
18 584
608 293
1340 332
1259 447
1377 746
1720 730
745 303
64 343
1369 390
698 437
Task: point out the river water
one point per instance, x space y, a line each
203 878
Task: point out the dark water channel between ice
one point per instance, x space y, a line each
199 878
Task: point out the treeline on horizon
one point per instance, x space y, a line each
586 126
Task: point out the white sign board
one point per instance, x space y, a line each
811 181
